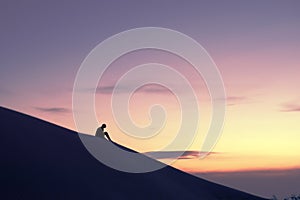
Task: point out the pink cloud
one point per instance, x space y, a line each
290 107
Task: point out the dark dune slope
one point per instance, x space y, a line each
40 160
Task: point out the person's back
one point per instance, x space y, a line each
100 132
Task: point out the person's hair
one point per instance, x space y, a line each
103 126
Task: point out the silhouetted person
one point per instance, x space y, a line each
100 132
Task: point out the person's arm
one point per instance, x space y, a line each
106 134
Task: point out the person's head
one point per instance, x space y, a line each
103 126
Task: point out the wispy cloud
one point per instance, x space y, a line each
105 89
290 107
101 90
236 100
174 154
154 89
52 109
151 88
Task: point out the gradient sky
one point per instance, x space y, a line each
255 44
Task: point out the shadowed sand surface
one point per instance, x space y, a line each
40 160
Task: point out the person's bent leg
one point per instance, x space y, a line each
106 134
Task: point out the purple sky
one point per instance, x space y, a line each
255 44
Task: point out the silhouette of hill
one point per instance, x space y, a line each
40 160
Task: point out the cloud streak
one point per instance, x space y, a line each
154 89
290 107
105 89
53 109
174 154
236 100
151 88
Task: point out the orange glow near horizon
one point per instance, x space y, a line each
252 139
258 132
229 162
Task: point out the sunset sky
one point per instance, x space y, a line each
255 45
